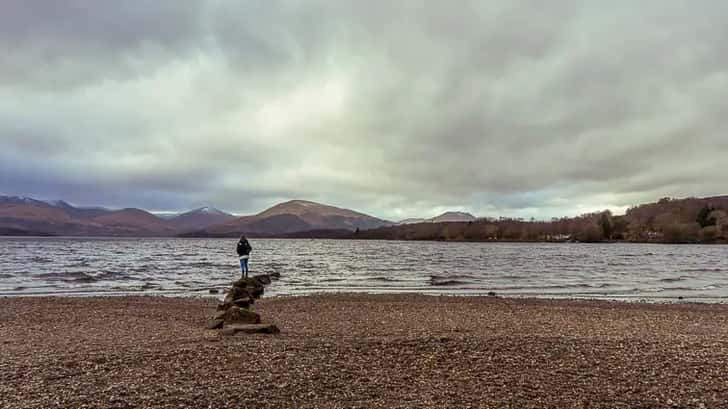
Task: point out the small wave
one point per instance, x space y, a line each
702 270
201 264
601 285
439 283
79 264
682 288
207 264
81 277
331 280
451 276
552 287
5 275
381 278
40 260
68 276
672 279
636 255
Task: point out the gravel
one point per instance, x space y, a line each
363 351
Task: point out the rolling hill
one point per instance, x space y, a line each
199 219
296 216
22 215
447 217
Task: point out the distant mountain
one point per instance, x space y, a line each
79 212
199 219
19 214
447 217
24 214
296 216
412 221
133 222
27 214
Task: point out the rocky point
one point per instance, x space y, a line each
235 314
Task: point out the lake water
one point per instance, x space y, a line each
113 266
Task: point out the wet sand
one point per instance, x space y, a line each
364 351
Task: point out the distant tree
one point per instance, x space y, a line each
704 218
708 234
681 232
605 222
620 226
721 223
590 232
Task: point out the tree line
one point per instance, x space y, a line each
691 220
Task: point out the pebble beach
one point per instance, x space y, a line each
363 351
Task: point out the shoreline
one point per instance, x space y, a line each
347 238
204 295
363 350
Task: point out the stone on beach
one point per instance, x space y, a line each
250 286
236 293
243 302
242 315
250 329
263 279
214 324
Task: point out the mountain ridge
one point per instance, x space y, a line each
58 217
295 216
447 217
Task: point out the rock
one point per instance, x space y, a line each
243 302
238 315
275 275
214 324
214 291
256 292
263 279
250 329
491 294
247 283
245 287
235 308
236 293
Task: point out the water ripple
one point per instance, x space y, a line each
193 266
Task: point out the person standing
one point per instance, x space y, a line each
244 250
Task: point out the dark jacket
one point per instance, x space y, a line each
243 248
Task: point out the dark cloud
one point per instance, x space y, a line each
505 107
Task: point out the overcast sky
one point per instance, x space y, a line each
395 108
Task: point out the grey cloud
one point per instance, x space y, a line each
405 109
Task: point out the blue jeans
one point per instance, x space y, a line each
244 266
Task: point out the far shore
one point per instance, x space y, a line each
352 236
364 351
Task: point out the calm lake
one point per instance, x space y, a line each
113 266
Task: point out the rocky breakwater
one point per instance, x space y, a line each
235 314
